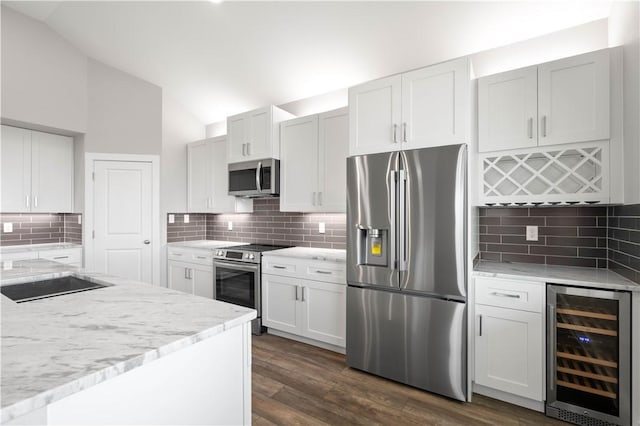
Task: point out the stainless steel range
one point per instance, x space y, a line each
237 271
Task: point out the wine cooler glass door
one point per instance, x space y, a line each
588 354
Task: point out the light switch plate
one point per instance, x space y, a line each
172 218
230 226
186 218
8 227
321 228
532 233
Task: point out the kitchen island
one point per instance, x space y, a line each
128 353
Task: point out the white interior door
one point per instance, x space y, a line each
123 209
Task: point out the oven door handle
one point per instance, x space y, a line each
238 266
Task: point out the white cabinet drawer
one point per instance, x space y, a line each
66 256
200 257
281 266
20 255
325 271
520 295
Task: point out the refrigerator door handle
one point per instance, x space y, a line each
393 189
402 220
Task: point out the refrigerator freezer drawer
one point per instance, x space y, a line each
419 341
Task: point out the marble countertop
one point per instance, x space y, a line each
205 244
330 255
54 347
570 275
38 247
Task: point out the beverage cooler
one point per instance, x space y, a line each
588 355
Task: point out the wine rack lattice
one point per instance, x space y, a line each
564 174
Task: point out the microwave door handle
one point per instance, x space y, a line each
259 177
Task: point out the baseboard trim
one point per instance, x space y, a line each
302 339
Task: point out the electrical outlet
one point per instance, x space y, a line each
172 218
186 218
79 219
8 227
532 233
230 226
321 228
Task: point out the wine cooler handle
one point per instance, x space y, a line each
552 346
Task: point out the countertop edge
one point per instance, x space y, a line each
548 277
43 399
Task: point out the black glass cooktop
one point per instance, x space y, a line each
47 288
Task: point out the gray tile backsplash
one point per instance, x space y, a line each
571 236
624 241
603 237
266 225
40 228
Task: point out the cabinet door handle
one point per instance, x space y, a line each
319 198
297 287
313 198
190 273
404 132
35 201
480 326
324 272
61 257
176 254
303 288
530 128
243 149
395 133
26 201
248 148
279 267
512 296
186 273
544 126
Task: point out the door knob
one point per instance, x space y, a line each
147 242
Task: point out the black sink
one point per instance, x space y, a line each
35 290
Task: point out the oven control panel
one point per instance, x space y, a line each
242 256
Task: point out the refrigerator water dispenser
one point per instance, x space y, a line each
373 246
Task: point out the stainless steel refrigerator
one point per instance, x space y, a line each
406 267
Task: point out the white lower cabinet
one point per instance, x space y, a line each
191 271
509 338
311 308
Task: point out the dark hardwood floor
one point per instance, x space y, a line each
298 384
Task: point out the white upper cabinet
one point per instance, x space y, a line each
313 162
374 116
16 169
435 105
37 171
299 164
508 110
199 176
333 150
255 134
208 179
418 109
564 101
573 99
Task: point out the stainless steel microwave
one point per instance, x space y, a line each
255 179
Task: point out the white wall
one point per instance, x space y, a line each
44 78
624 30
179 127
573 41
124 112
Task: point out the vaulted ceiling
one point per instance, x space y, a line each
219 59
